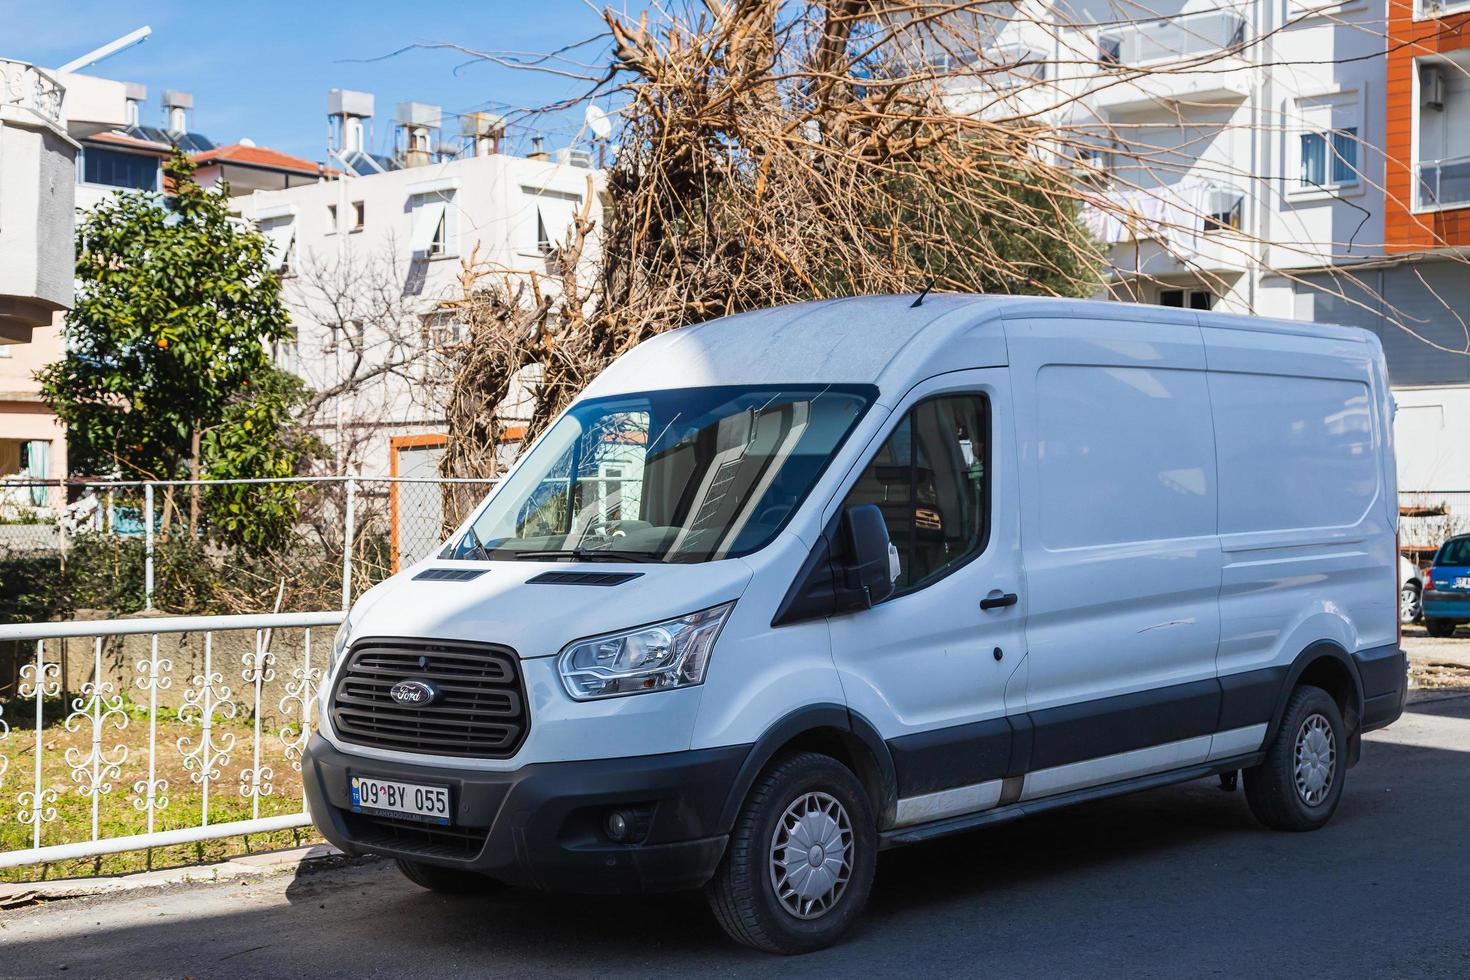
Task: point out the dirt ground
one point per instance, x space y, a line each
1437 664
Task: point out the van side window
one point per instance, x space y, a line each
929 478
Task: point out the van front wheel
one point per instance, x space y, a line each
1298 785
800 862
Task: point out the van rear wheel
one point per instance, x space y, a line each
799 866
1299 784
446 881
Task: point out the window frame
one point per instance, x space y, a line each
988 496
1341 110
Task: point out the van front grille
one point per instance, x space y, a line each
480 711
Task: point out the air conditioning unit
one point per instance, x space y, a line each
1431 87
574 158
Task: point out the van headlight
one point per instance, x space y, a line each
340 641
656 657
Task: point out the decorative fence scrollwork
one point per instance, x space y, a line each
98 707
100 737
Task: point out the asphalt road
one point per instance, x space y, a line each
1174 882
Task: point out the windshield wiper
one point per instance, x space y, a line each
587 554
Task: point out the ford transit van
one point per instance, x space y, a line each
788 588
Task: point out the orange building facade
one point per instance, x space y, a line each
1427 139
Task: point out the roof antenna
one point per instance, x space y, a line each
920 301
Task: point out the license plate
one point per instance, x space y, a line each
390 798
1463 582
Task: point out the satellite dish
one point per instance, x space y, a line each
598 122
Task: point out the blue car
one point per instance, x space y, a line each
1447 589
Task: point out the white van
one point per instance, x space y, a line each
788 588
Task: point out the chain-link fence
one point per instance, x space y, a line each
215 547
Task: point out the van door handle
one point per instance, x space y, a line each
999 601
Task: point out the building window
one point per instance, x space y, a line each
280 244
111 168
1194 299
331 219
1227 210
556 216
442 328
1330 158
431 236
359 215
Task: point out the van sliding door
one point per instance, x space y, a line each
1118 501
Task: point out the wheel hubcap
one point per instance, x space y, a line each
811 855
1316 760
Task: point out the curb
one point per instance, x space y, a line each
260 865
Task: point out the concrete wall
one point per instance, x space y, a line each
37 176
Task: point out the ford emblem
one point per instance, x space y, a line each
413 694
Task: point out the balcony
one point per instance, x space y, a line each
1444 183
1193 225
1190 59
36 195
1187 37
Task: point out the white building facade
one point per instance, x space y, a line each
369 259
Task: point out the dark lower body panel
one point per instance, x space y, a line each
1384 673
541 826
1010 747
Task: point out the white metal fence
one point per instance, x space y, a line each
150 732
127 734
372 525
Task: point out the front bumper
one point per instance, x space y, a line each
1384 673
541 825
1440 604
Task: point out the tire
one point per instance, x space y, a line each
1411 606
744 891
446 881
1280 796
1442 628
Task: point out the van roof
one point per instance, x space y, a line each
871 339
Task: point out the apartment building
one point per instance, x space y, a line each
1427 226
37 157
1295 159
370 253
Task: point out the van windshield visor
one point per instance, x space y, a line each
684 475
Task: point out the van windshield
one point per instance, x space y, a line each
685 475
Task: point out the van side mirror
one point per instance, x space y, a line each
852 566
865 575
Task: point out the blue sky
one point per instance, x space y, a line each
262 69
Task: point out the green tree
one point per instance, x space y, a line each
167 371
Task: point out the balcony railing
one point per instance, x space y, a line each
1171 38
1439 8
29 87
1444 183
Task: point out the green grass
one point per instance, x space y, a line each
117 814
